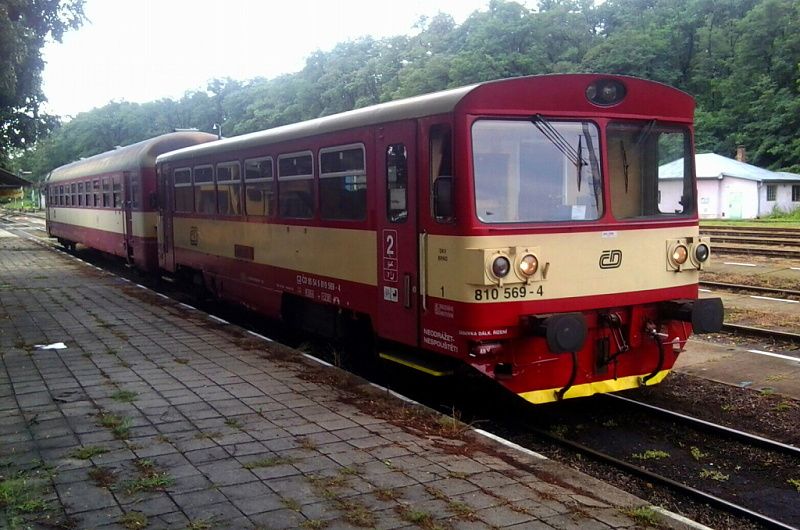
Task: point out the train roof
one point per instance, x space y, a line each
560 91
408 108
129 158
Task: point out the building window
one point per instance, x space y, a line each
184 199
296 180
772 191
229 186
795 193
258 186
205 198
343 184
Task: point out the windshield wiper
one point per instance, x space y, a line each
624 163
646 132
561 143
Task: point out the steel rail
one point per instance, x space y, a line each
675 485
719 249
746 436
761 332
754 288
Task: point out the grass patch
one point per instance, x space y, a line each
291 504
20 496
714 475
306 443
87 452
156 482
119 426
356 514
133 520
696 453
643 516
199 524
103 477
387 494
233 423
461 510
794 482
313 524
124 396
651 454
149 479
268 462
783 406
181 360
418 517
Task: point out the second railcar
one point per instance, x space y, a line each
107 202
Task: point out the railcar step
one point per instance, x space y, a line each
436 367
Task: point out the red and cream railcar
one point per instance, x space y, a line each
107 202
527 227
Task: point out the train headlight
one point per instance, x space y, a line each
501 267
606 92
528 265
701 252
679 254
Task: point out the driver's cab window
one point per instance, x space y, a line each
441 165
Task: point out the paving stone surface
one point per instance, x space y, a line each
155 411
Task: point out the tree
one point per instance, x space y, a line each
24 27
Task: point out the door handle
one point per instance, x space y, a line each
407 291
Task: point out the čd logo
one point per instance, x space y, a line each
610 259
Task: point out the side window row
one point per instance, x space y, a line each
225 189
105 192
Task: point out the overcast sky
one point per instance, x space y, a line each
143 50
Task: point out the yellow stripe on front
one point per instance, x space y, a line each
597 387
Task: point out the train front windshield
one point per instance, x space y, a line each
542 170
536 170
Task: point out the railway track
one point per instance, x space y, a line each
763 241
772 517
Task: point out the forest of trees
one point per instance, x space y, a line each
739 58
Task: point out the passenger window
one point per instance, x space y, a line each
343 184
396 183
229 186
441 163
117 195
134 191
73 193
296 192
184 199
205 199
258 186
106 193
80 193
96 193
87 193
61 195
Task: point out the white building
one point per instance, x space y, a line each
730 189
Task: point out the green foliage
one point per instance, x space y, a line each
739 58
24 27
651 454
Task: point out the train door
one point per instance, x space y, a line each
398 252
166 258
127 211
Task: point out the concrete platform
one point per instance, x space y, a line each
156 416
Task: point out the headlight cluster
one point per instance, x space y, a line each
688 254
526 265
